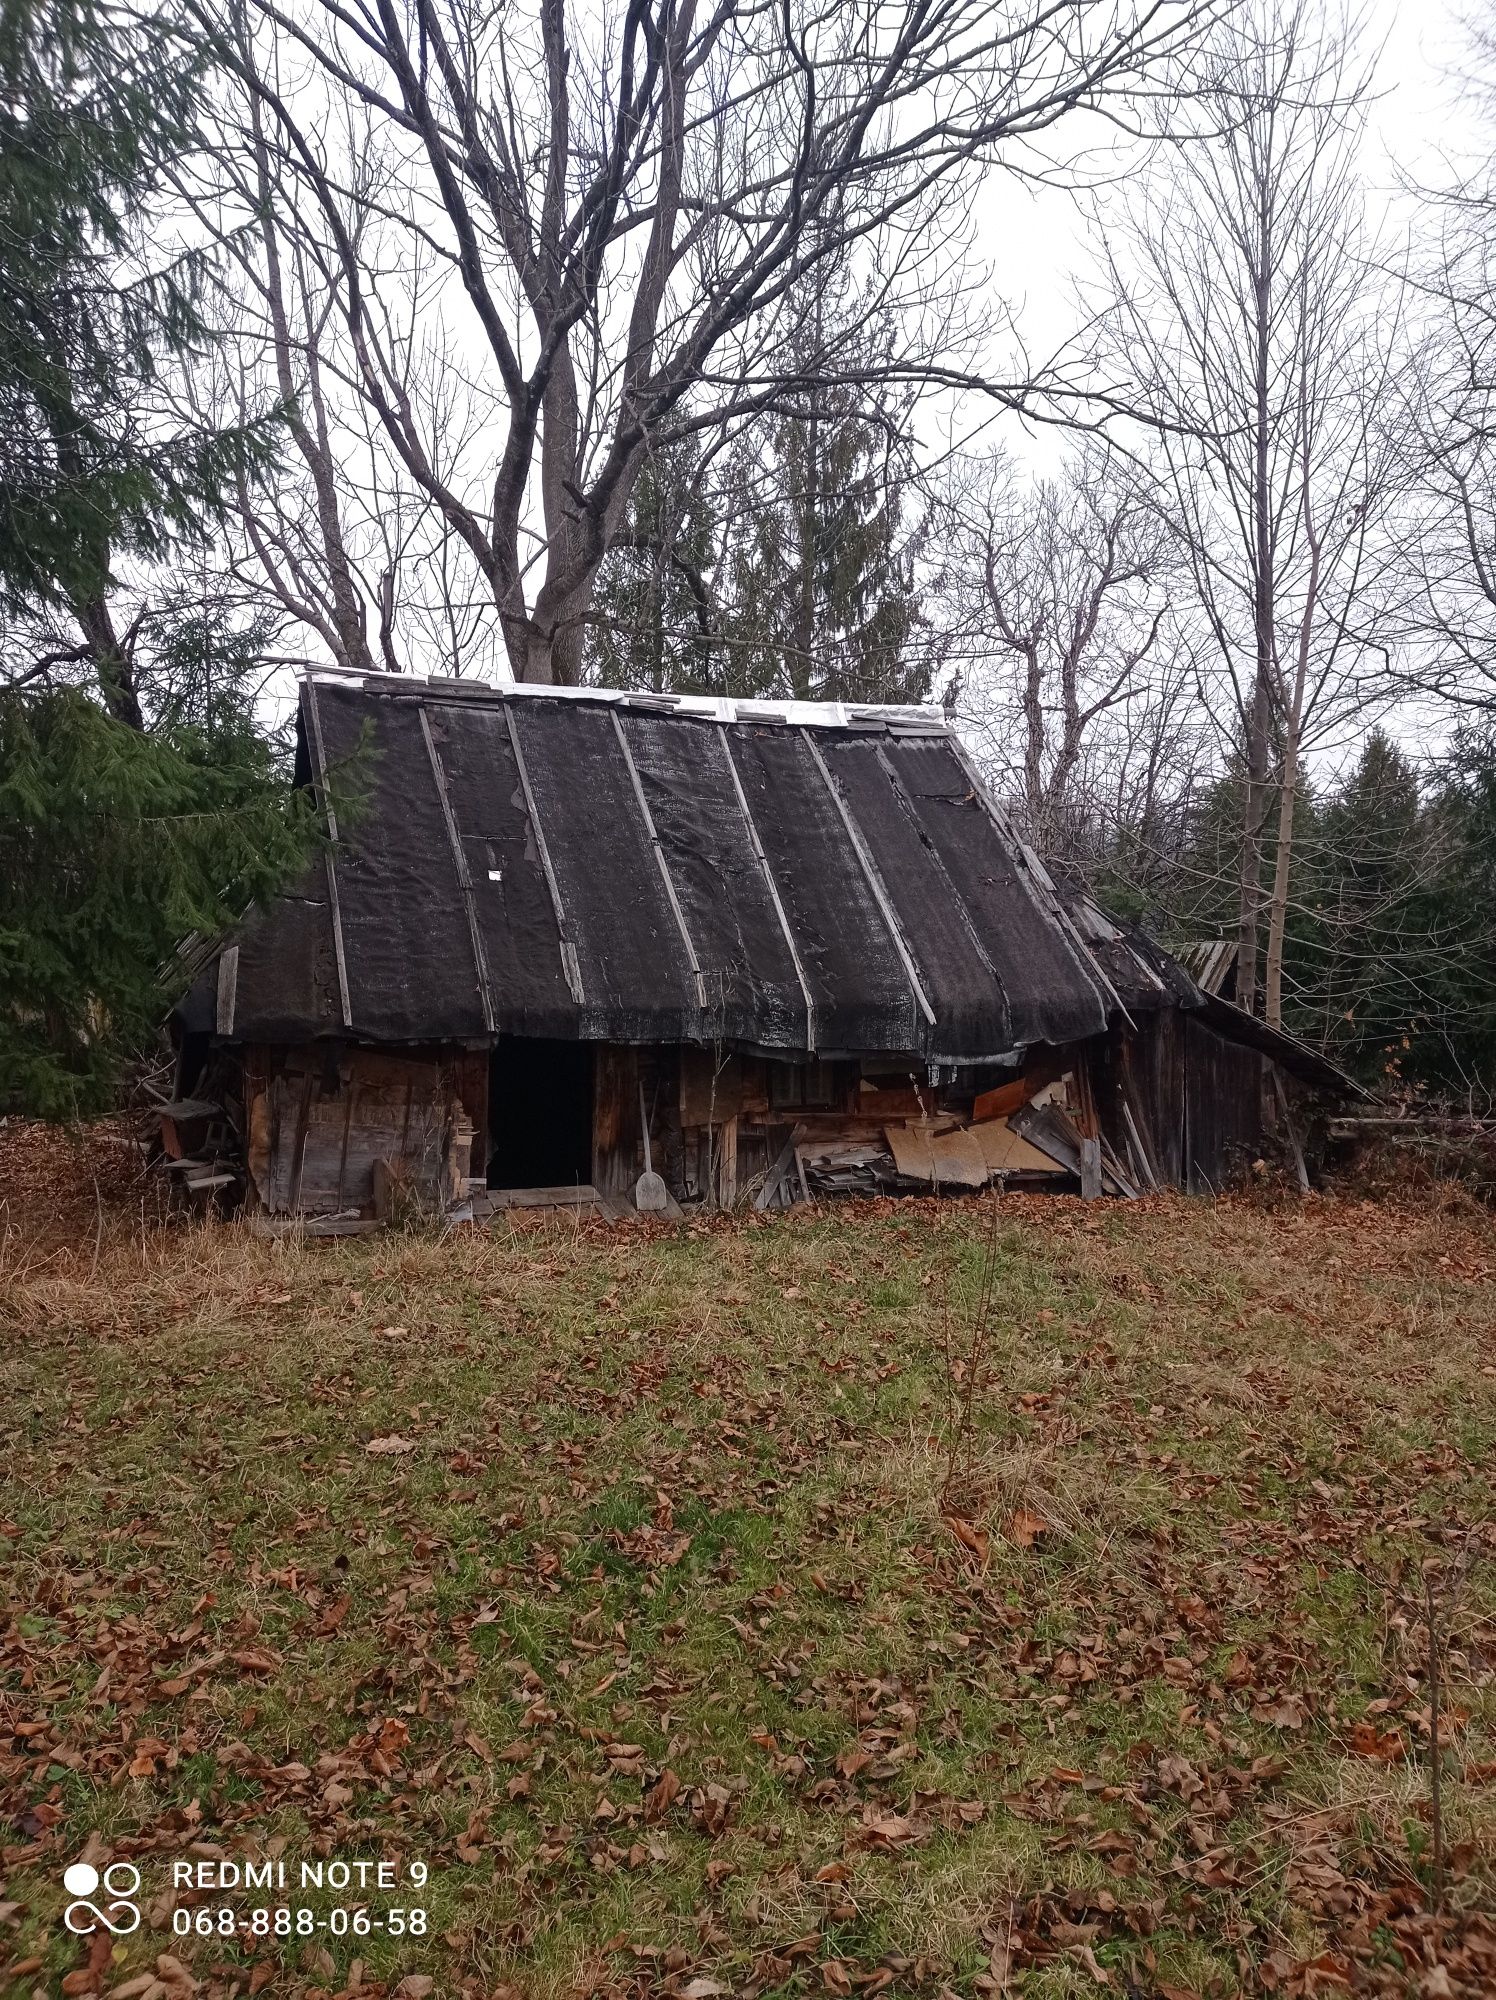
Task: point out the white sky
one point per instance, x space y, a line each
1034 240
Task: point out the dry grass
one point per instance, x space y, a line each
667 1502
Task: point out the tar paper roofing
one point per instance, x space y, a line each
632 868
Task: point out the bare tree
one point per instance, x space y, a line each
1451 520
612 214
1252 321
1066 602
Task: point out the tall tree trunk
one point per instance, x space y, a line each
1293 727
348 632
111 659
1255 803
803 631
1034 745
112 663
1255 748
1278 907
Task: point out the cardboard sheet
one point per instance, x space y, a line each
949 1159
1008 1152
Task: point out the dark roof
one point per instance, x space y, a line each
1141 976
579 863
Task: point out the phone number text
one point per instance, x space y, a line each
298 1921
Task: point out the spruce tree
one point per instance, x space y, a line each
820 573
654 615
115 847
96 100
787 569
1355 958
141 801
1452 1038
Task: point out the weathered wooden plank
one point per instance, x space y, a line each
580 1195
774 1179
1135 1144
727 1163
311 1225
1001 1102
228 987
615 1097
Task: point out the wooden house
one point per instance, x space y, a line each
798 944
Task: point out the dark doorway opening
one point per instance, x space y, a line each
539 1114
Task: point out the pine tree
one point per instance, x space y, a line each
95 100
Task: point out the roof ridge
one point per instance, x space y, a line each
910 717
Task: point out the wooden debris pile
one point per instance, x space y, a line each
192 1139
1022 1134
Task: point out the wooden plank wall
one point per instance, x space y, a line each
1146 1072
1226 1114
317 1120
1200 1102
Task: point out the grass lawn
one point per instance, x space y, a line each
652 1591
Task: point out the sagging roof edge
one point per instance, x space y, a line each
1301 1061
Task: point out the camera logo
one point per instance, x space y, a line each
121 1883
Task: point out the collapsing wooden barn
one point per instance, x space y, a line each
788 950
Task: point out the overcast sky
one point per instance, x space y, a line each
1034 241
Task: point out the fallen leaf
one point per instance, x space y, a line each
660 1797
970 1537
1286 1713
257 1660
1366 1740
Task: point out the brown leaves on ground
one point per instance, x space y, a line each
608 1574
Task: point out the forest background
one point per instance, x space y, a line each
1119 376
